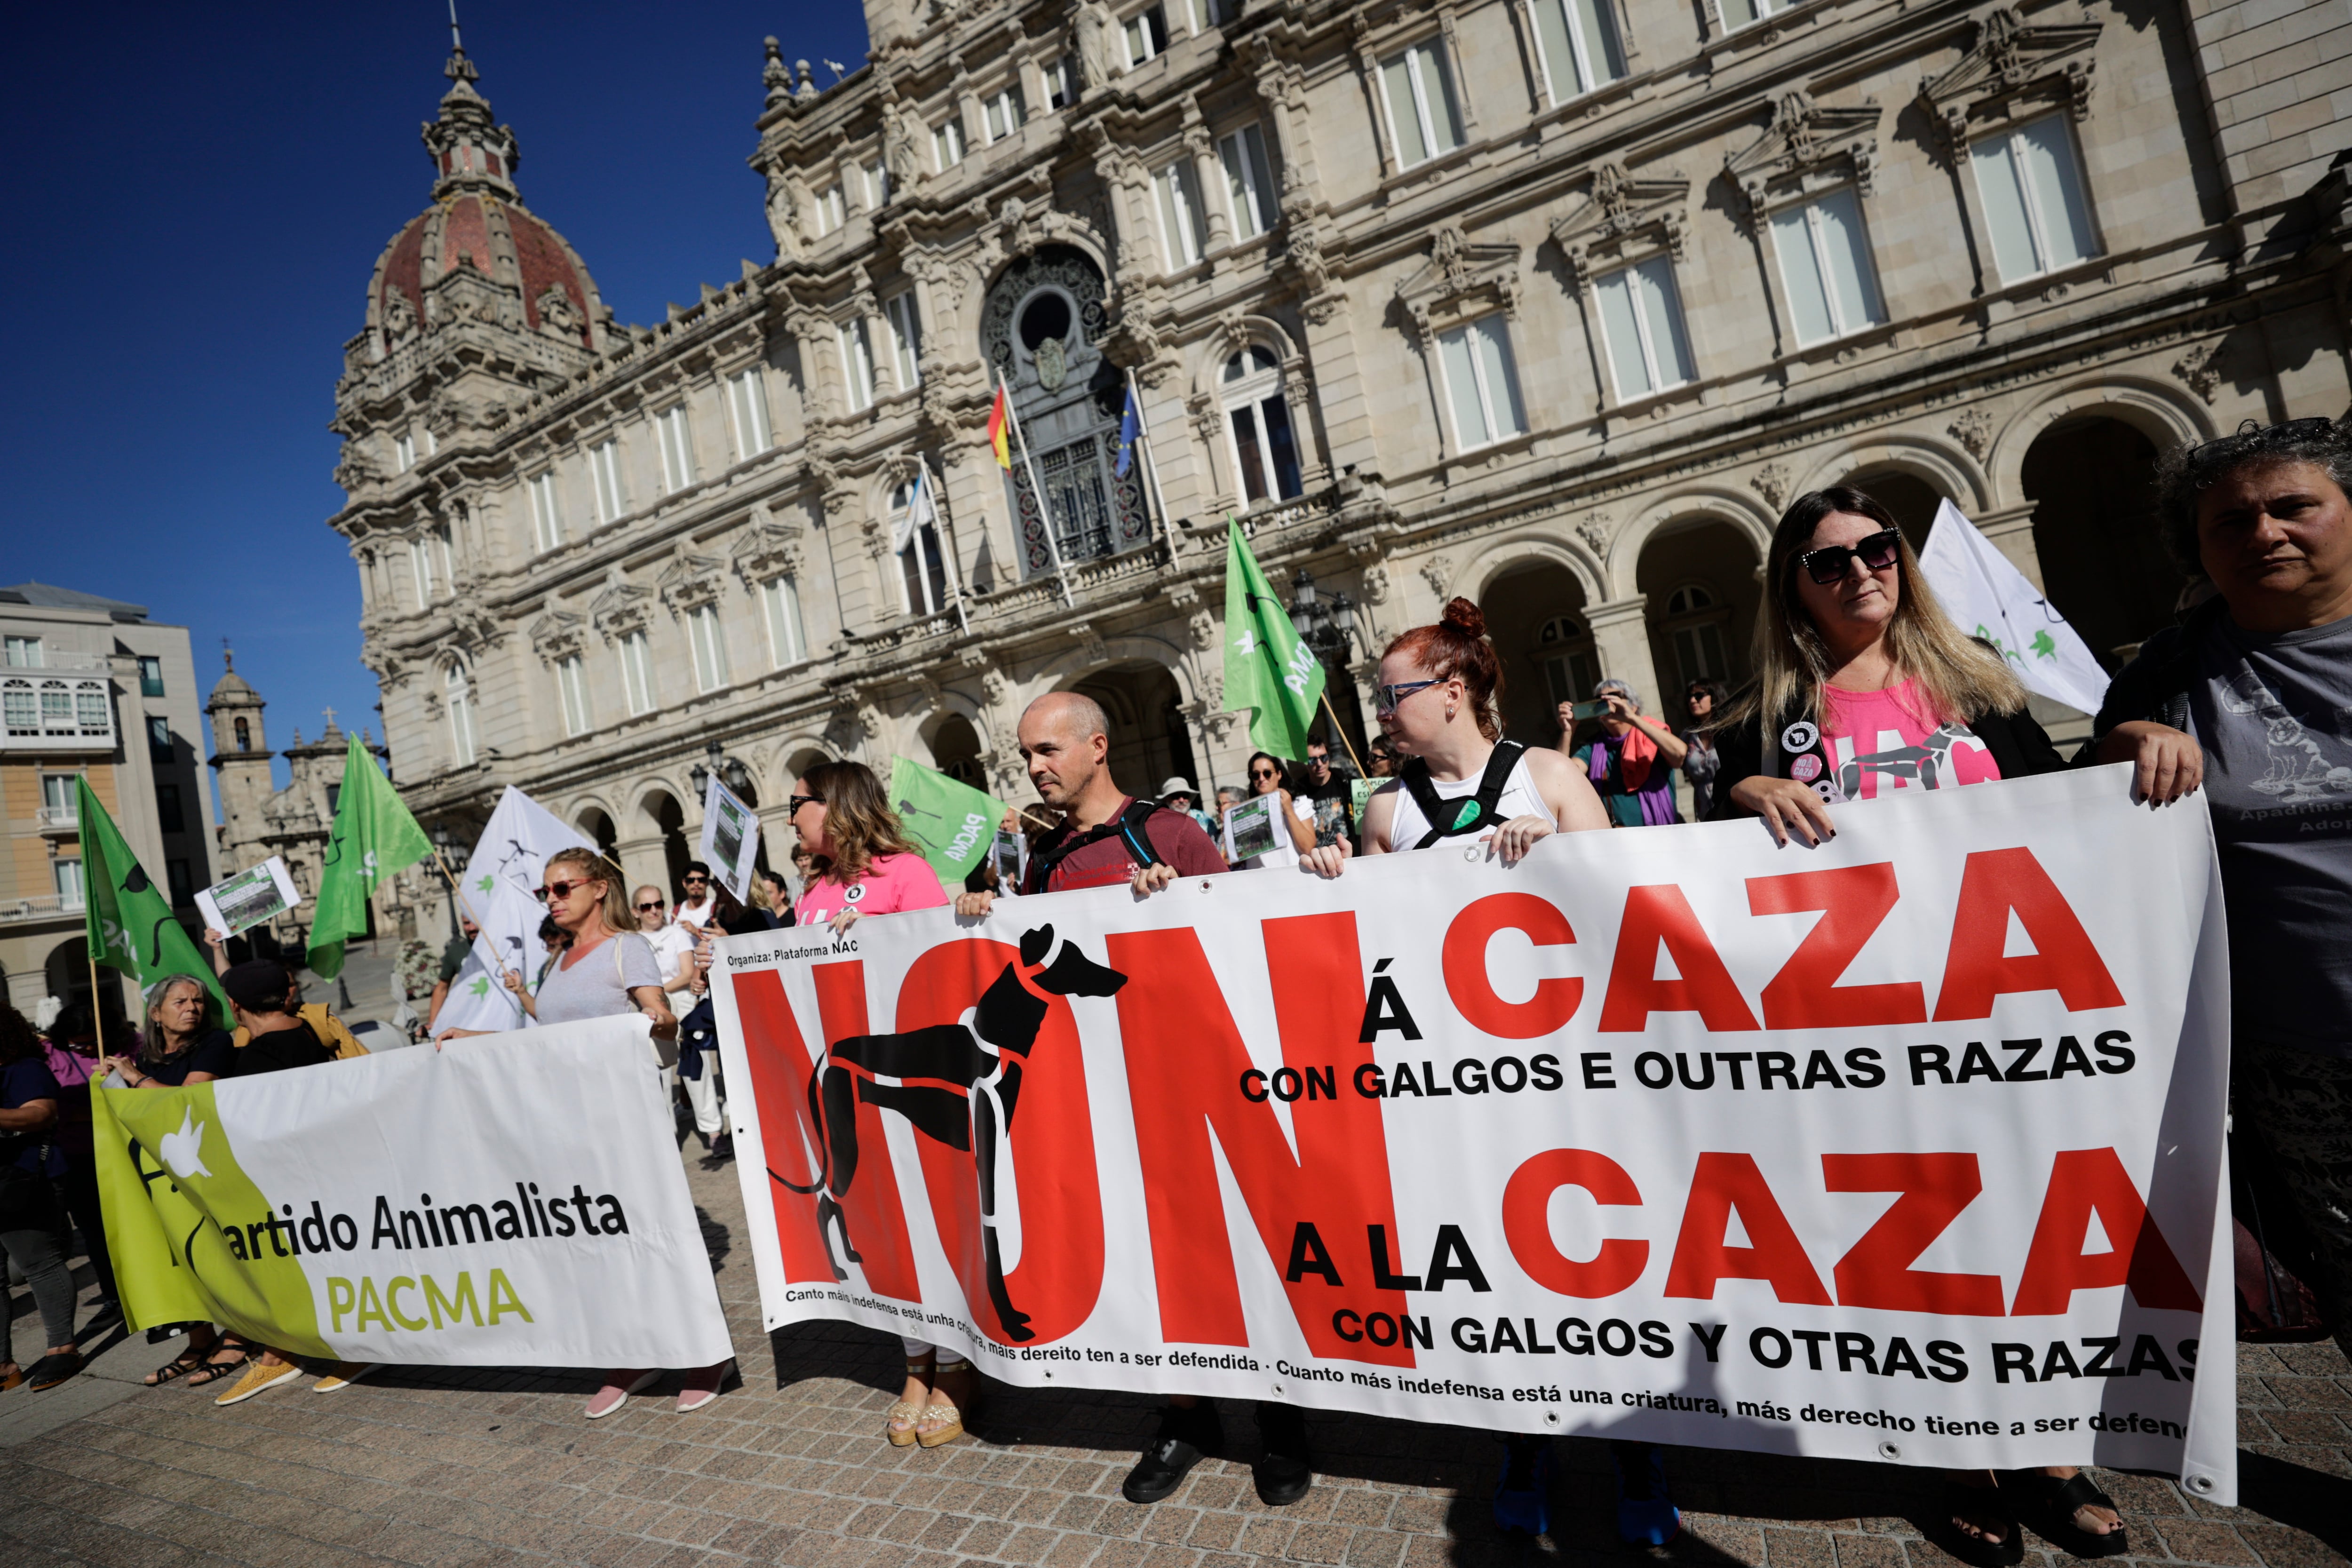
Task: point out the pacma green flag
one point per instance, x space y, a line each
127 920
373 836
952 823
1268 670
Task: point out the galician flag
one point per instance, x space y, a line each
508 863
952 823
1268 669
1988 596
373 836
999 428
128 922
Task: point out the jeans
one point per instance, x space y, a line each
2300 1105
41 1255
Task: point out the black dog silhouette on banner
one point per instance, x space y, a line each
971 1119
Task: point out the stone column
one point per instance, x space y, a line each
643 863
2011 528
1210 176
1621 637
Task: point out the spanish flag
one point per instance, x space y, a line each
1000 425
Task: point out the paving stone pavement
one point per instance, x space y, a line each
470 1466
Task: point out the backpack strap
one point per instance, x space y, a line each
1127 827
1483 803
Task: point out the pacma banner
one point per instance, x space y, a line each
512 1200
1906 1148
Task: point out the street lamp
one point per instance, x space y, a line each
730 771
445 840
1325 625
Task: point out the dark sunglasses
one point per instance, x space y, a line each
647 909
1827 565
799 801
1264 773
558 890
2252 437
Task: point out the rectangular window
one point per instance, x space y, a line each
781 598
159 739
1062 80
857 363
432 442
151 676
1207 13
1481 383
1423 118
1179 214
637 674
90 709
709 650
403 451
461 717
877 185
449 560
60 804
1641 327
573 687
605 468
832 210
946 144
2033 199
182 886
1006 112
22 708
25 653
922 574
546 522
1146 36
1825 265
1740 13
167 808
420 570
1578 41
66 877
1249 182
677 449
906 325
747 410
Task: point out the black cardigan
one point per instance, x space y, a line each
2018 746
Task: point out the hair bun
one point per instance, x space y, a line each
1464 618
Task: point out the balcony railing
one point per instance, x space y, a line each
59 818
40 907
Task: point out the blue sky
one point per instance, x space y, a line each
198 197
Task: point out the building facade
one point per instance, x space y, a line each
91 688
1552 304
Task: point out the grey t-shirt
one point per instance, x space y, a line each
2274 715
597 983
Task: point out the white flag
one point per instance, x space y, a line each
501 883
1984 592
920 512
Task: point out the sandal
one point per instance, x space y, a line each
1980 1505
12 1377
941 1422
188 1360
2056 1502
899 1421
212 1371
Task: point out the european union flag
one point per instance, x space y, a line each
1130 427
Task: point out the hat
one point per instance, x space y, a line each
1177 787
258 984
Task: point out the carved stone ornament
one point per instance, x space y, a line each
358 468
1203 629
2196 370
620 607
400 322
2014 69
690 580
1806 139
558 317
1438 573
1973 430
1771 482
1460 280
1593 528
1621 215
557 635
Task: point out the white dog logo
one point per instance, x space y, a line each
183 1150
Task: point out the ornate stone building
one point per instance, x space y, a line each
1550 303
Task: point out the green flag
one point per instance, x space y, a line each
373 836
952 823
128 922
1268 670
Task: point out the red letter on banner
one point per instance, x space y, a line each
1662 914
781 1070
1053 1141
1554 1002
1721 1184
1185 1059
1805 994
1877 1272
1995 882
2084 1182
1527 1222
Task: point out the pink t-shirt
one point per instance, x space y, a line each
1879 741
892 885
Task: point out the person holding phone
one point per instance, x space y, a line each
1632 758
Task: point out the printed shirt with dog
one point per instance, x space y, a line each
1879 743
893 884
1105 862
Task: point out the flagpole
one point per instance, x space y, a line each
97 1012
947 539
1341 731
1037 487
1150 463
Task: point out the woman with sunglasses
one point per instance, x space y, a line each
1864 685
1295 819
1437 704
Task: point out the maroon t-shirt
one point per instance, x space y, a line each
1105 862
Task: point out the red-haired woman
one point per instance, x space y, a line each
1437 704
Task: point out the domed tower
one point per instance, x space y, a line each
240 765
475 303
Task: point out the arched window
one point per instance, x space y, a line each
922 572
244 736
1695 619
1564 651
1257 425
461 716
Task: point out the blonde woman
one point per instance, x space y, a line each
861 863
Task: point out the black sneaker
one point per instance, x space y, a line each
723 1148
1186 1434
52 1370
1283 1470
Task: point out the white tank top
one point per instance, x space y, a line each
1407 826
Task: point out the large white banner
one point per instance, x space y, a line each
1908 1148
501 882
510 1200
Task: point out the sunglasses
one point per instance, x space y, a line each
649 909
559 890
1827 565
1264 773
1385 699
2251 438
799 801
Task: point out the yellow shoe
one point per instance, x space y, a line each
258 1379
345 1374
